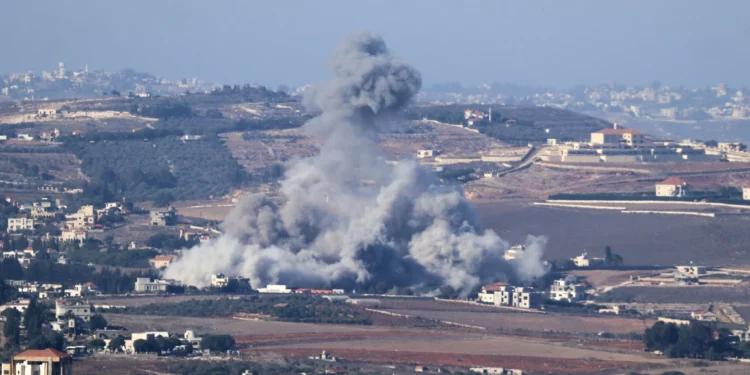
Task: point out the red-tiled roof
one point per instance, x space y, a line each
619 131
44 353
673 181
164 258
495 287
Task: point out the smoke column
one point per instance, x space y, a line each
349 218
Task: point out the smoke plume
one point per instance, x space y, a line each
349 218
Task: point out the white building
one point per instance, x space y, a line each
219 280
514 252
162 261
23 222
616 137
271 288
584 261
691 270
145 285
421 154
78 309
81 290
704 316
44 112
498 294
73 235
83 218
672 187
20 306
525 298
564 290
746 193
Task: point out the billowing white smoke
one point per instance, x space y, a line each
349 218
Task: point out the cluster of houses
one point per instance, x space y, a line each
620 145
504 294
47 291
75 226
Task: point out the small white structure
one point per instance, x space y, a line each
325 357
162 261
704 316
514 252
583 261
44 112
219 280
614 309
275 288
672 187
525 298
746 193
73 235
145 285
421 154
25 137
691 270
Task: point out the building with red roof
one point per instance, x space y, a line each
672 187
42 362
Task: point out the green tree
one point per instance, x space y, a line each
97 322
140 346
220 343
163 199
33 318
96 344
116 344
608 255
11 328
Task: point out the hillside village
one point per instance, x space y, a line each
91 252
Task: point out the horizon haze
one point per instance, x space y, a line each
542 43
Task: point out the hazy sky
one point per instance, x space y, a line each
550 43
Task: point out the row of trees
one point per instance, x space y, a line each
32 319
695 340
108 280
297 308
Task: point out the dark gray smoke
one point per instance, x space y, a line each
350 218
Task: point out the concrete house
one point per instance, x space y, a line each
583 261
161 261
672 187
497 294
146 285
40 362
617 137
525 298
565 290
73 235
163 217
78 309
17 224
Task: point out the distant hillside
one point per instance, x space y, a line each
516 124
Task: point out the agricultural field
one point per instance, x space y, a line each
680 294
509 322
649 239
